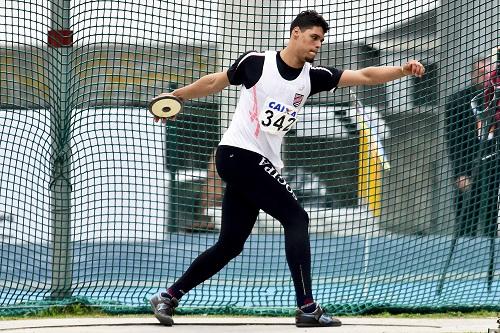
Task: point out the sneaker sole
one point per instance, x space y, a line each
317 325
167 321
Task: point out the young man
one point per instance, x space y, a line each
275 85
464 146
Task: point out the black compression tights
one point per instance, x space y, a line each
252 183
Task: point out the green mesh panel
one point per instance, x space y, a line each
100 205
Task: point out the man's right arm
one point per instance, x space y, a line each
204 86
213 83
216 82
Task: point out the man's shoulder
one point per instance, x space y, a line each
247 69
325 71
321 68
251 54
464 92
462 96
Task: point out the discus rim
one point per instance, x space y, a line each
165 106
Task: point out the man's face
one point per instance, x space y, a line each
308 42
479 71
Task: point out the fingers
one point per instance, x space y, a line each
418 69
414 67
163 120
164 94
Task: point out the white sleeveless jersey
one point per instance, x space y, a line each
267 111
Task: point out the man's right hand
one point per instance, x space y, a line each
463 183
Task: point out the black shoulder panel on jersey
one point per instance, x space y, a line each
247 69
324 78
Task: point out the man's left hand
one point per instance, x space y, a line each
413 67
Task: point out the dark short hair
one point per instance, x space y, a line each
308 19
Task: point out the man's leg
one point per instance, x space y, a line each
211 196
270 192
273 195
492 185
238 219
263 185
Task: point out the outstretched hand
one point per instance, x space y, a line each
414 67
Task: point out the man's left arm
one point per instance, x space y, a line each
380 74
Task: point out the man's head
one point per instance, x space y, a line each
307 33
480 67
308 19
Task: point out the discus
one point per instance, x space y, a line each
165 106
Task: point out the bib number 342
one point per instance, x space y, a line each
277 118
276 122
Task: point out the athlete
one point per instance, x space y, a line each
274 88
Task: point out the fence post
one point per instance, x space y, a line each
60 41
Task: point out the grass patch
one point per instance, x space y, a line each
72 310
60 311
436 315
78 309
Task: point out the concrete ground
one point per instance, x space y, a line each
200 324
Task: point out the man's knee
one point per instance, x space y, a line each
296 219
305 217
229 249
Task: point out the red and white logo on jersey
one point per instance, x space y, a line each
297 99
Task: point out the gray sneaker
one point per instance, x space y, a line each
163 308
318 318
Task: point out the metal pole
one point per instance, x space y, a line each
60 41
173 163
491 228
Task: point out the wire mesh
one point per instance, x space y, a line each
99 204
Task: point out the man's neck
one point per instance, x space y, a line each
478 87
287 56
